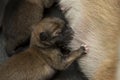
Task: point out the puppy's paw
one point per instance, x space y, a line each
85 48
82 50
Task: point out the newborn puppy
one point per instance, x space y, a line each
41 60
73 72
19 16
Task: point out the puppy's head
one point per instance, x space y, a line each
47 32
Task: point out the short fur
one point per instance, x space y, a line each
97 24
20 15
41 59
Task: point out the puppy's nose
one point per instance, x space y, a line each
43 36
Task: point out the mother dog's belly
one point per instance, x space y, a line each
95 23
102 45
95 56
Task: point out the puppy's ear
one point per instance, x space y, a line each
33 27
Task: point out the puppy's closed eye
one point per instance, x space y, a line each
43 36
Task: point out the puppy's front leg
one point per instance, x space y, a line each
65 61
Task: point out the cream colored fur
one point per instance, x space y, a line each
96 23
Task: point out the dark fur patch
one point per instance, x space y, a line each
71 73
65 39
67 32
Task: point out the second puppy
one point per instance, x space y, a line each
19 16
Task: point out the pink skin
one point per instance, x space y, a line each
86 47
63 8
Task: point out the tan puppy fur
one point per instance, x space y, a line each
19 16
97 24
41 59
